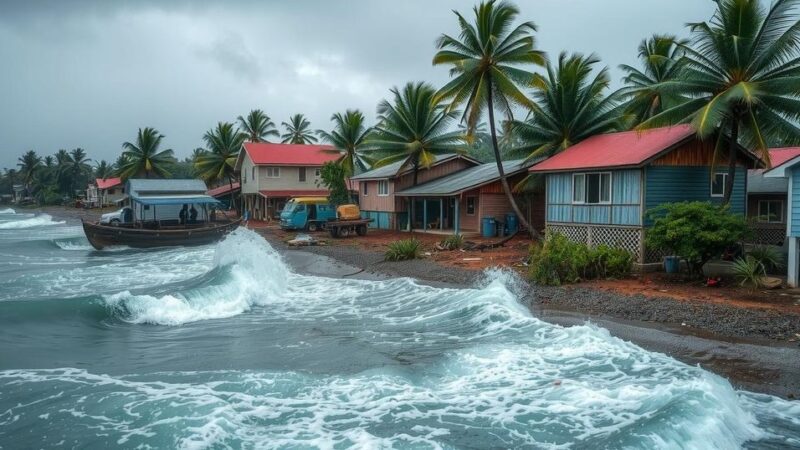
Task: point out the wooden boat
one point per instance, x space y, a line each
102 235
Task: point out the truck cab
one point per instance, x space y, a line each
307 213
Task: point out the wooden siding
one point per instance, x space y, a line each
625 207
665 184
794 203
437 171
694 153
469 222
374 202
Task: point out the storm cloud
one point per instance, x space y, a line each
89 73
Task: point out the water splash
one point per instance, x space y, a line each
41 220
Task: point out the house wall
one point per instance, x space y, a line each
407 180
374 202
695 153
752 205
249 184
289 179
668 184
625 207
794 203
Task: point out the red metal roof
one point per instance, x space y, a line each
778 156
625 149
295 193
289 154
223 190
107 183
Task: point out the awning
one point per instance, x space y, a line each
294 193
174 199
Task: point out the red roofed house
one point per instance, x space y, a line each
105 192
271 174
599 190
767 199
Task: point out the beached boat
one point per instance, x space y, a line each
102 236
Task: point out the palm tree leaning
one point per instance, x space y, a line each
740 76
486 62
660 57
571 104
29 164
217 163
257 126
144 157
298 131
349 136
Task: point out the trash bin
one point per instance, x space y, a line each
672 264
489 227
501 228
512 224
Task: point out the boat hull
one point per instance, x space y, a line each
102 236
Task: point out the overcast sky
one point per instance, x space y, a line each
87 73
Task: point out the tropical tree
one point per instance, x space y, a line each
79 169
217 163
414 129
144 157
257 126
741 75
660 57
103 170
571 103
298 131
29 164
349 136
485 61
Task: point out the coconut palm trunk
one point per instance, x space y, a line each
732 153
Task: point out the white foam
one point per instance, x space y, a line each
7 211
40 220
74 246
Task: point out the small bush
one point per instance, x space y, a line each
769 257
453 242
558 261
404 250
749 271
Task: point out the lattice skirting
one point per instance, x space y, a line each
768 235
628 238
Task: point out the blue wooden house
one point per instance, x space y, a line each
599 191
790 170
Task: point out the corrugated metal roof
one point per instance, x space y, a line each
107 182
394 169
780 156
466 179
140 186
290 154
757 183
225 189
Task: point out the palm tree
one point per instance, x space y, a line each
103 170
144 157
29 164
486 62
660 56
414 128
217 164
257 126
298 131
63 171
740 76
79 168
349 136
571 104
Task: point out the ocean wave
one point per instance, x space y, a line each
7 211
40 220
78 244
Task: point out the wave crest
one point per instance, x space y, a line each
8 211
41 220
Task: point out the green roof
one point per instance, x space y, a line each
466 179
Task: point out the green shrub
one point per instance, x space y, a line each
609 262
453 242
558 261
403 250
769 257
695 231
749 271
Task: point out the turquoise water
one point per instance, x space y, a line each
223 346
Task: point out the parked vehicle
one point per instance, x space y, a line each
124 215
307 213
348 222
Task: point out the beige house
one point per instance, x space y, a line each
271 174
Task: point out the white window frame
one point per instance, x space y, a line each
474 199
759 216
317 172
302 171
272 172
724 184
583 200
383 188
365 188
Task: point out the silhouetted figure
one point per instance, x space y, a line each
192 215
184 214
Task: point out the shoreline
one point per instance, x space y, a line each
754 360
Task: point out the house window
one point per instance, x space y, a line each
383 188
770 211
471 201
718 184
591 188
364 188
253 173
317 172
273 172
301 174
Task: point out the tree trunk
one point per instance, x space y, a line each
732 153
501 172
411 199
233 201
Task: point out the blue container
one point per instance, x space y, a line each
672 264
512 224
489 227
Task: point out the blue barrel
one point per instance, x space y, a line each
489 227
672 264
512 224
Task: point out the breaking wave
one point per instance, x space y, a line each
40 220
7 211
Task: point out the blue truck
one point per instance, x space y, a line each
307 213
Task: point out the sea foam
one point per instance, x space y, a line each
7 211
40 220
